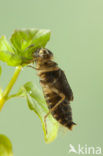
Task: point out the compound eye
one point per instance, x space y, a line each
41 52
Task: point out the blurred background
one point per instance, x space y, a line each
77 44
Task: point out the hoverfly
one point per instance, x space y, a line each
56 89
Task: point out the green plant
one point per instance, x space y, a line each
18 53
5 146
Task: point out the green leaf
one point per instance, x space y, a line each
10 59
5 45
36 103
23 44
5 146
7 54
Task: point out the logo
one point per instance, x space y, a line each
89 150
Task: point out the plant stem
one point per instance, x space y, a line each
6 92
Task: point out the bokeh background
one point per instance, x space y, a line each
77 43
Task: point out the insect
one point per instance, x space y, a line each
56 89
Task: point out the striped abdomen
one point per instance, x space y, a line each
56 80
63 112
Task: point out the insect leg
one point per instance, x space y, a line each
57 104
44 70
32 67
